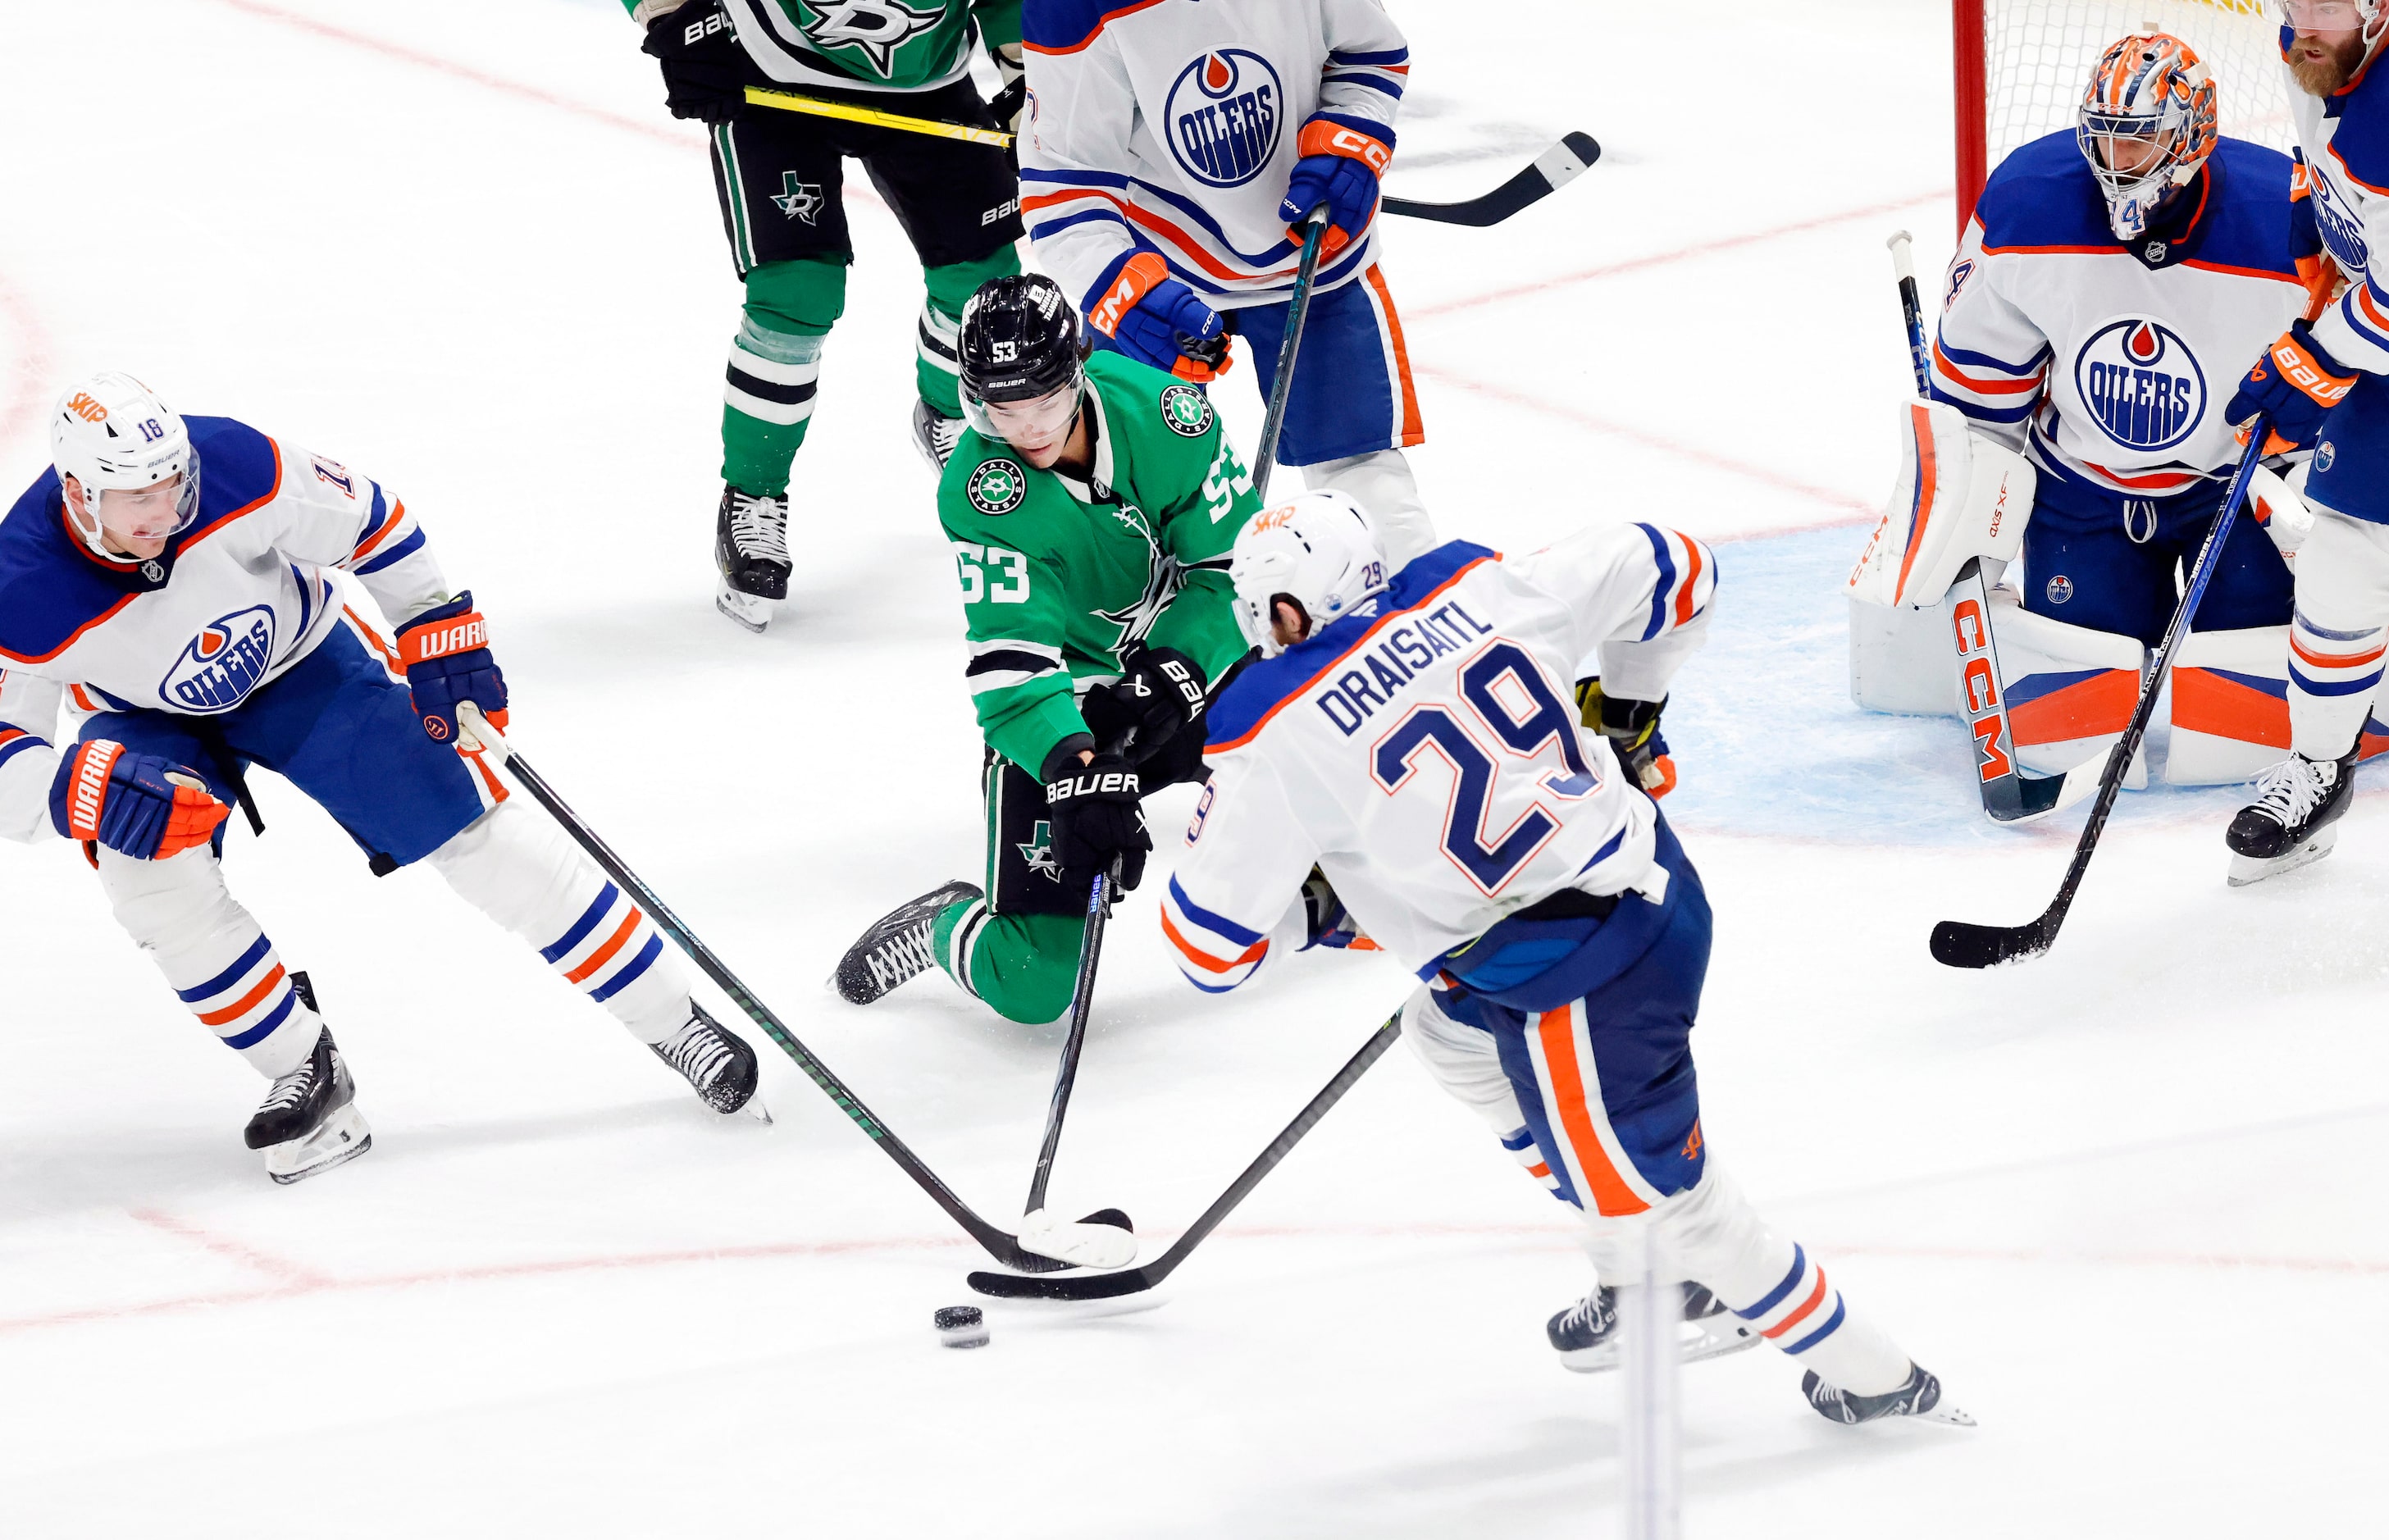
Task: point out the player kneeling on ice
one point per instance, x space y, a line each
1411 734
174 574
2112 277
1090 507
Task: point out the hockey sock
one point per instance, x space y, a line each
774 367
517 867
939 369
213 954
1022 965
2336 638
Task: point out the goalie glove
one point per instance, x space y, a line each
1632 728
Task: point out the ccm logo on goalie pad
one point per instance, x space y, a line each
1088 785
1980 685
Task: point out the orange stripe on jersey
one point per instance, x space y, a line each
1204 959
604 954
1095 31
397 518
2325 660
1610 1193
271 493
1413 431
1692 580
247 1002
1982 387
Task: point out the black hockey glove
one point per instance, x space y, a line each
1097 811
1159 694
1632 728
705 69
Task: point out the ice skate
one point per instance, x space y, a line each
1585 1335
935 434
718 1064
309 1121
751 545
2294 820
1919 1396
895 948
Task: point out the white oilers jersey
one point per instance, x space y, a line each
1169 126
2343 141
1427 753
2111 361
232 603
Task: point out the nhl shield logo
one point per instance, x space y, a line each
1223 116
1186 411
997 487
222 664
2141 383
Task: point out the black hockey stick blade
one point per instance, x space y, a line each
1136 1280
1553 169
1962 943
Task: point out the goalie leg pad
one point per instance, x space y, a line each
2071 690
2231 706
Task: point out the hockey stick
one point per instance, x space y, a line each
1090 951
1297 313
1961 944
1553 169
847 113
2010 795
1136 1280
477 736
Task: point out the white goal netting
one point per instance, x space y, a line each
2038 56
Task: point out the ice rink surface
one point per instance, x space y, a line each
2125 1201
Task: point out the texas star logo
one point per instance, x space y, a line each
876 27
1039 852
997 487
221 663
798 199
2141 383
1222 117
1186 411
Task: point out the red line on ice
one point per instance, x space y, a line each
290 1272
22 409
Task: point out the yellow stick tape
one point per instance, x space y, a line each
850 113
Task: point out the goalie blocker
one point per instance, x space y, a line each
1935 631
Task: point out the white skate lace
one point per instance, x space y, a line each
904 955
700 1052
1584 1311
2291 790
759 527
291 1089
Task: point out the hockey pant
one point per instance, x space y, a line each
514 864
1707 1230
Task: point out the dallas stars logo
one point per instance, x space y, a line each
879 28
1186 411
1163 576
798 199
997 487
1039 852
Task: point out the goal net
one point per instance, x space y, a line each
2023 65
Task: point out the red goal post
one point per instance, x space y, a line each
2022 66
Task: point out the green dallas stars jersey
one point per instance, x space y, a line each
1053 586
860 45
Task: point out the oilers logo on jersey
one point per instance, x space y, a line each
2343 229
1222 117
2141 383
221 663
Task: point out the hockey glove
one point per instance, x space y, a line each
705 69
1326 920
1157 320
1342 160
446 654
1632 728
2296 383
1097 812
1159 694
138 804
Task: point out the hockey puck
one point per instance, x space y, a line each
961 1326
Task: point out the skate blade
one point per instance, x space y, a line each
747 609
2247 870
340 1138
1945 1413
1699 1343
756 1110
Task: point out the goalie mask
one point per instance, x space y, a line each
1320 551
114 436
2146 125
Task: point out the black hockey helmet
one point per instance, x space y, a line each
1020 341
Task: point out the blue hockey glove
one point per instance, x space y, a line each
1157 320
1326 920
446 654
1342 160
106 793
2296 383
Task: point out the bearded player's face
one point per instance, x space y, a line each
2328 45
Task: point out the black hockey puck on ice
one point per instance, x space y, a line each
961 1326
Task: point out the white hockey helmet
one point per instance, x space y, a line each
111 433
1321 551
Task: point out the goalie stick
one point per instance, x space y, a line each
477 736
1960 944
2010 795
1136 1280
